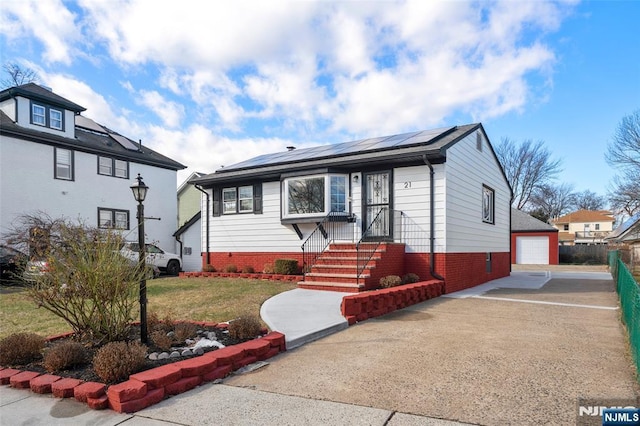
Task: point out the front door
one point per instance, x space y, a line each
376 203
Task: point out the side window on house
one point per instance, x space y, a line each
488 205
315 195
113 218
565 227
108 166
63 159
237 199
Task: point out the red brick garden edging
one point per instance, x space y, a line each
255 276
151 386
370 304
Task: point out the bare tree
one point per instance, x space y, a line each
552 201
624 196
17 75
528 167
588 200
624 153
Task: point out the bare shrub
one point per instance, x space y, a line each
268 268
390 281
115 361
246 327
184 331
208 268
248 269
21 348
64 355
87 283
231 268
161 340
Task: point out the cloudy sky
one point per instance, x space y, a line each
212 83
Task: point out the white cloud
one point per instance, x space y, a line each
49 21
171 113
294 68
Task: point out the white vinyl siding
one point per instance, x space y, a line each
261 232
467 170
412 196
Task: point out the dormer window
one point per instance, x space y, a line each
47 116
38 115
55 119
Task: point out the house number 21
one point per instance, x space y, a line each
407 185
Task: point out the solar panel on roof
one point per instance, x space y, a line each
126 143
343 148
87 123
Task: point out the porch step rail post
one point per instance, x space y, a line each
368 244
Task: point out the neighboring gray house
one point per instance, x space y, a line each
57 161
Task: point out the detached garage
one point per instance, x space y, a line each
533 242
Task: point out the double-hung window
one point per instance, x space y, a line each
237 199
488 205
63 159
38 115
47 116
113 218
313 196
108 166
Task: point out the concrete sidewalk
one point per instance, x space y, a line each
206 405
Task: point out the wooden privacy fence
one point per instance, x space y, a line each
583 254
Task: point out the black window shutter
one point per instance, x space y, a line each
217 195
257 198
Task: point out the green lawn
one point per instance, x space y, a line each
197 299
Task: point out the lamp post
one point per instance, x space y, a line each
139 193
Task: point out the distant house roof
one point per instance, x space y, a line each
39 93
630 229
188 224
406 147
90 136
586 216
184 185
524 222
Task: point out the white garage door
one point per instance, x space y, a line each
532 250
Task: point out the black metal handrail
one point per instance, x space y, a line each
331 228
368 244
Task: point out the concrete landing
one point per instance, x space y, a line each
304 315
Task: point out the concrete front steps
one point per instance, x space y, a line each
337 269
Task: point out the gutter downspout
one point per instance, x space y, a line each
432 224
207 222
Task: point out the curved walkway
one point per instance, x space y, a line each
304 315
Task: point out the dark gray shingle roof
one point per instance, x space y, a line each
524 222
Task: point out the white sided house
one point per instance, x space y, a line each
56 161
435 203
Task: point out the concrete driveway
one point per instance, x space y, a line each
506 356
